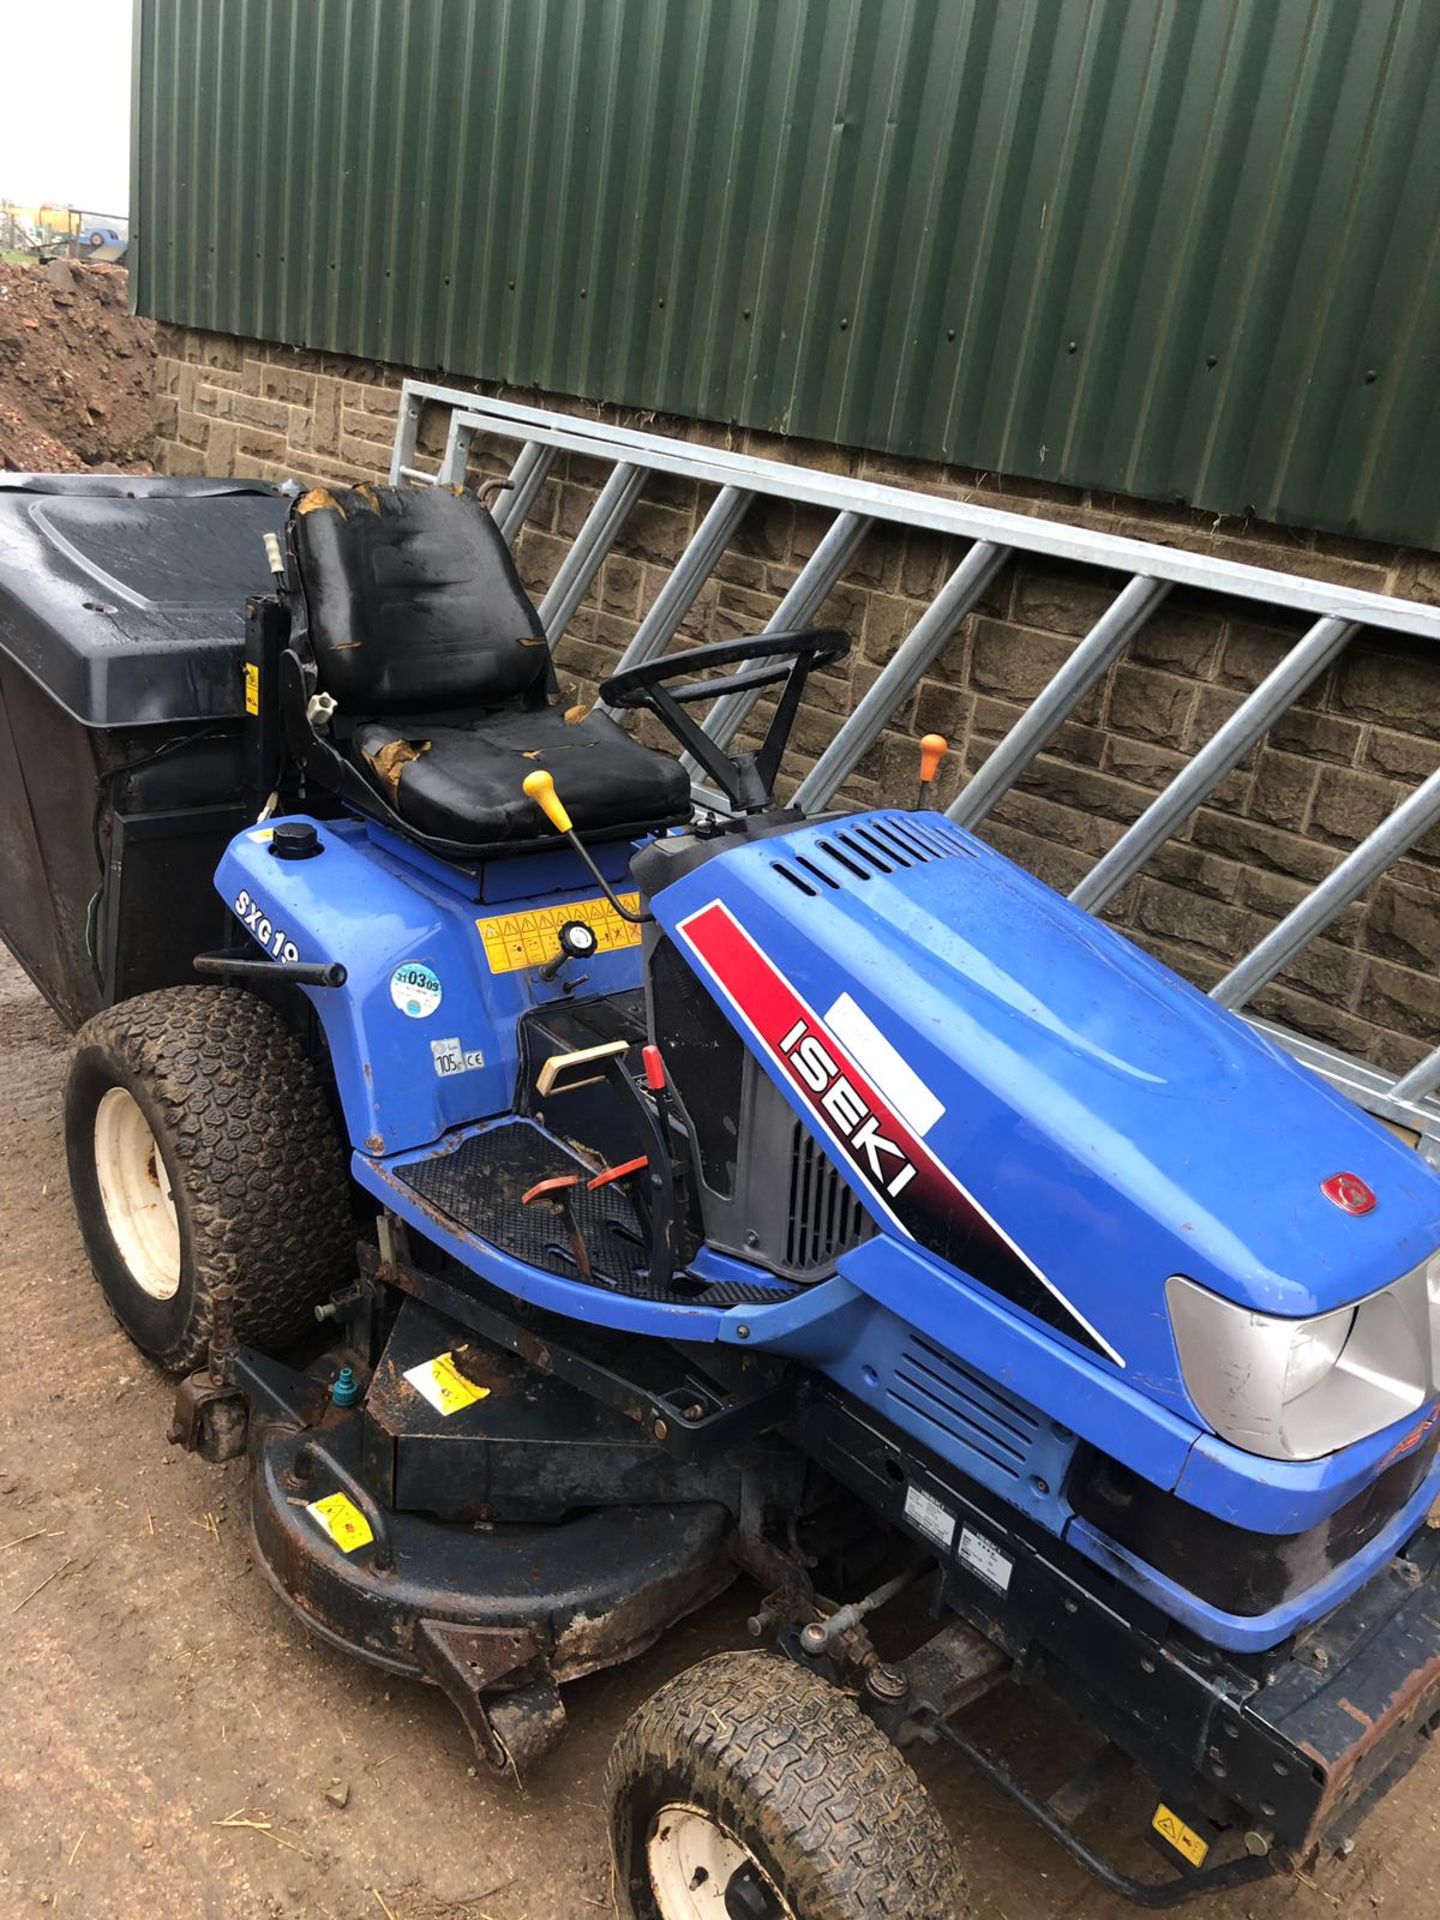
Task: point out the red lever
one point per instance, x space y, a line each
654 1069
550 1189
622 1172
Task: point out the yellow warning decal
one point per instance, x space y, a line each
1184 1839
252 687
338 1515
443 1384
516 940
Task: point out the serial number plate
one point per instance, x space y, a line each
985 1558
931 1516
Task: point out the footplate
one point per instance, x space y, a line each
480 1186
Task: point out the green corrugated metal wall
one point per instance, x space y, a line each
1179 248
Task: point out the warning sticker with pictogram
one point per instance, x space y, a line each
1186 1842
338 1515
443 1385
517 940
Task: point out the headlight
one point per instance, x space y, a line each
1297 1389
1315 1346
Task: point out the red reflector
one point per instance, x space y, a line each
655 1070
1349 1192
1411 1440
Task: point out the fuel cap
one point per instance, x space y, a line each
295 840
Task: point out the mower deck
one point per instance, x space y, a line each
490 1529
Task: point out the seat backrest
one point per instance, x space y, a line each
412 601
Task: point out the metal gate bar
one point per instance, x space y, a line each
1420 1081
1337 613
935 513
1220 755
817 580
1378 850
690 572
527 476
1049 710
577 570
901 675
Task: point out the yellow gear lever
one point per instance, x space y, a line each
540 787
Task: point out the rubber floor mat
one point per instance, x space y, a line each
480 1185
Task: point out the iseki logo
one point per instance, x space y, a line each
885 1160
1349 1192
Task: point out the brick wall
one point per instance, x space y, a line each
1353 746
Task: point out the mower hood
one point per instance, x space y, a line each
1018 1088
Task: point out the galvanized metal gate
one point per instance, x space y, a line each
1337 614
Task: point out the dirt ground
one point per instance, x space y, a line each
155 1696
77 372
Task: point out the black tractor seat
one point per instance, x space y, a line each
410 616
467 782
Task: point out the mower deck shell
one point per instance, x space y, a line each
532 1451
593 1589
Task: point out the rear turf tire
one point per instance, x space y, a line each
750 1779
203 1157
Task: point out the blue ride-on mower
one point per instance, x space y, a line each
819 1200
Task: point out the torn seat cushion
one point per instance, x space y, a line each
465 784
413 601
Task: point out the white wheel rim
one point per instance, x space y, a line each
135 1193
692 1859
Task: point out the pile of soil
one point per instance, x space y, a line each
77 371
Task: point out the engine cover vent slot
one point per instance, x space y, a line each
874 845
825 1218
967 1409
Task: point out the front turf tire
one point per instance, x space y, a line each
811 1813
204 1161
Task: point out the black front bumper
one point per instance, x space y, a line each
1353 1701
1287 1747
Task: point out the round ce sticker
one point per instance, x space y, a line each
415 989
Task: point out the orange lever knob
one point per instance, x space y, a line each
933 749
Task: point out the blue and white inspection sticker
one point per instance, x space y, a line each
415 989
